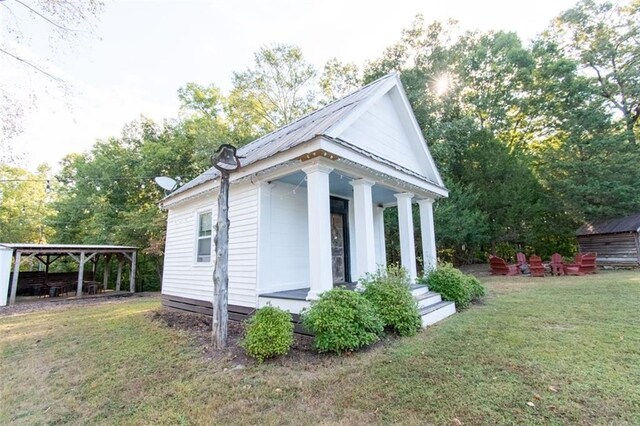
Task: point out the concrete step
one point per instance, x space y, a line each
427 299
437 312
418 290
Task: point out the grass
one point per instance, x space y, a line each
111 364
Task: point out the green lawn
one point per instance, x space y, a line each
112 364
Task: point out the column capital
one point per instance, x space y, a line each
426 201
361 182
404 195
317 168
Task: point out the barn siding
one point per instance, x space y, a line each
612 249
184 277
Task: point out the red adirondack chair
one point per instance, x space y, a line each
500 267
557 265
535 266
585 263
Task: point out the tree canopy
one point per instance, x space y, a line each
531 139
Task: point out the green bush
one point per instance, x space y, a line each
389 293
269 333
342 320
453 285
476 288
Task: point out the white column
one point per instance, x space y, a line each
363 214
378 224
319 211
14 280
407 242
429 254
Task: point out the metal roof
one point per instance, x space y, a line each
611 226
295 133
65 248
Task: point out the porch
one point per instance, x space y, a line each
430 304
321 223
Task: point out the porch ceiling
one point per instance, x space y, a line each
339 185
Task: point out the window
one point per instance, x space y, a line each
204 238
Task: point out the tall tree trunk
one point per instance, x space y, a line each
220 273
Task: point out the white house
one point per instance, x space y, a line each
306 208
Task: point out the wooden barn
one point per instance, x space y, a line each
617 241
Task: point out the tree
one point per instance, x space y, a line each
61 23
24 207
605 39
277 90
339 79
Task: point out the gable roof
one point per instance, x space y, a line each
611 226
323 121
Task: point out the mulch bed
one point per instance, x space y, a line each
198 326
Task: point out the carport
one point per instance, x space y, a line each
12 254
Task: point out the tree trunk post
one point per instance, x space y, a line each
220 271
119 274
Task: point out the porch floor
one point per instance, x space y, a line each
301 293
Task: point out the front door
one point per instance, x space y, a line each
340 240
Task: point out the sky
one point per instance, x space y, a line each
141 52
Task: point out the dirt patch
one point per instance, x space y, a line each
40 305
198 326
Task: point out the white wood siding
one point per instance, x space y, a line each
184 277
284 238
380 130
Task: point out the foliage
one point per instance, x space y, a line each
454 285
26 66
276 90
389 293
269 333
603 38
342 320
24 205
338 80
476 288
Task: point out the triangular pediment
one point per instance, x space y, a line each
386 128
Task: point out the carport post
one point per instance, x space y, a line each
119 274
14 281
132 278
107 270
80 275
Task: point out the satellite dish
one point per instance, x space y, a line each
166 183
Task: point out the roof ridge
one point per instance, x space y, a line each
317 110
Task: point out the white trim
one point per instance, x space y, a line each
263 232
405 228
196 238
425 189
416 128
335 130
318 202
291 305
363 214
428 236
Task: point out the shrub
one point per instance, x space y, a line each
389 293
342 320
476 288
269 333
453 285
